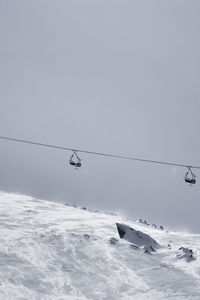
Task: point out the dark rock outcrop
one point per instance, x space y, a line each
136 237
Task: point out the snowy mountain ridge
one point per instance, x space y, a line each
54 251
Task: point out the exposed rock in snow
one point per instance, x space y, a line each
139 221
143 222
185 253
148 224
134 247
113 241
86 236
169 247
136 237
148 249
154 225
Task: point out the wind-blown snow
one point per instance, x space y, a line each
52 251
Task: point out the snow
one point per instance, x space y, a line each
53 251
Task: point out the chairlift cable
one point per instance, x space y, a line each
98 153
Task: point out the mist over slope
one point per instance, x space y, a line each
53 251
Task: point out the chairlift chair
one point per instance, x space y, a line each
75 160
190 177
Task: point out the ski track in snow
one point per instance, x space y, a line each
52 251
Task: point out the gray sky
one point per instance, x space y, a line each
108 76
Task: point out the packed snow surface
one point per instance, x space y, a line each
53 251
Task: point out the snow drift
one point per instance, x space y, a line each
52 251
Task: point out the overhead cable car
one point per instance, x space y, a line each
190 177
75 160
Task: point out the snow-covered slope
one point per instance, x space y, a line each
52 251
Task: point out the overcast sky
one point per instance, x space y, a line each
120 77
